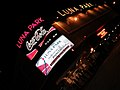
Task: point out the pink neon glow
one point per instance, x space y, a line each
100 28
35 23
32 54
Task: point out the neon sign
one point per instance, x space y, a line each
48 43
102 33
32 54
39 33
27 32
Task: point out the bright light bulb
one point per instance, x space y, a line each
75 18
114 2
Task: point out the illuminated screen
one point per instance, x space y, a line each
53 54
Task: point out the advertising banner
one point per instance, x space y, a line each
43 44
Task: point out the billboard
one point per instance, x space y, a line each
53 54
42 44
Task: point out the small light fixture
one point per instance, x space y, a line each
114 2
75 18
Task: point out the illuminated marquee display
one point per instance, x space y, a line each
53 54
102 33
72 10
45 33
43 44
39 33
27 32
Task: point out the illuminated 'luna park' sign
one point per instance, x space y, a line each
27 32
72 10
40 38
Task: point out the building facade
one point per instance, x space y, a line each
63 51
